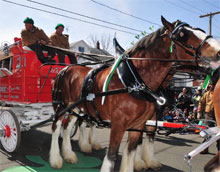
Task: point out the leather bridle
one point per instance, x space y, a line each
176 39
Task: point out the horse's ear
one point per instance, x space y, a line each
167 24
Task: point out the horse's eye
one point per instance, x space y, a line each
181 34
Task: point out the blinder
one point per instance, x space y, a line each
180 33
180 36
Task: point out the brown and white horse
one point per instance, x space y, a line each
214 163
123 110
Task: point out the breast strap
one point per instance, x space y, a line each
131 79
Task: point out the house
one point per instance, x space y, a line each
80 46
83 47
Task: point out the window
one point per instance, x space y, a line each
6 63
81 49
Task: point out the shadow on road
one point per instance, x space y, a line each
35 146
171 140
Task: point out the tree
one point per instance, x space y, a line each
103 39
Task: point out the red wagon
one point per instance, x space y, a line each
25 93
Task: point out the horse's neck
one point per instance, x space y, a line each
153 73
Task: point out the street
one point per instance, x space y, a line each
35 144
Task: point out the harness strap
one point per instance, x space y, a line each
84 99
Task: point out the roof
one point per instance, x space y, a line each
94 51
99 51
80 41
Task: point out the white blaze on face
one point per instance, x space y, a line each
201 35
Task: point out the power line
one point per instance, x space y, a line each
211 4
210 15
88 22
82 15
125 13
182 7
187 9
198 10
191 6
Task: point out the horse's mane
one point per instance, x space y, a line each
146 41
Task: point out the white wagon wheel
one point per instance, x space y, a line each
11 128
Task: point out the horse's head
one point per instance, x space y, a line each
191 43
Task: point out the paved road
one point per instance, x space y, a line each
33 153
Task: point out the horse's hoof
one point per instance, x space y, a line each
70 157
86 148
96 146
139 165
156 165
56 163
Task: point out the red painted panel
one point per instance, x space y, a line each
28 77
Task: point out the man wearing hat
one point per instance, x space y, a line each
58 39
206 105
36 39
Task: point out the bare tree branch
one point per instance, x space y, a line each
104 40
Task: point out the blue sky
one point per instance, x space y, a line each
12 17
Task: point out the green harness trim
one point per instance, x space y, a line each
114 67
108 78
171 48
207 80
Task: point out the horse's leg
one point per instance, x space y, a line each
68 154
216 102
92 139
138 161
84 139
148 153
115 140
213 164
127 164
55 159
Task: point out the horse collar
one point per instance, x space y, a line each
136 87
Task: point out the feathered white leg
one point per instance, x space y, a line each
55 159
68 154
127 164
107 165
148 155
84 139
138 161
93 140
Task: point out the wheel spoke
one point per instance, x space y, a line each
14 132
8 120
14 136
13 140
3 119
10 143
7 144
1 124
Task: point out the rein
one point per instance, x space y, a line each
165 60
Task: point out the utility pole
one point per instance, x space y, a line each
210 15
